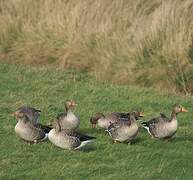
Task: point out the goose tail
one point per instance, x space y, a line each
144 125
45 128
107 130
45 137
83 143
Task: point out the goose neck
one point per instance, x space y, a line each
66 108
57 127
173 116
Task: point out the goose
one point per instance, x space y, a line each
164 127
125 129
67 138
104 121
68 119
32 113
33 116
27 131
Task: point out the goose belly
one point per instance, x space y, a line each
103 123
24 132
167 129
59 140
70 122
127 133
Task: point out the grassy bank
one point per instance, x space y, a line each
142 42
48 89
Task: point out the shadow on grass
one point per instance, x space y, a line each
133 142
89 148
137 140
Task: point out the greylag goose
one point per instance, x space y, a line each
32 113
66 138
28 131
126 129
67 119
104 121
33 116
164 127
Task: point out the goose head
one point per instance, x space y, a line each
137 114
177 108
19 116
94 119
70 104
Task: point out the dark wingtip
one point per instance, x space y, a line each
162 115
45 128
91 137
144 123
85 138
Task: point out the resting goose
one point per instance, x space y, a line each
104 121
66 138
125 129
33 116
32 113
26 130
164 127
67 119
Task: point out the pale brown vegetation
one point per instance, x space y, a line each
144 42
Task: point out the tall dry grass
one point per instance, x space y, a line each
144 42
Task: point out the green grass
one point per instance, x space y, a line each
48 88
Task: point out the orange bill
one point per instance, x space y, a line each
73 103
184 109
141 114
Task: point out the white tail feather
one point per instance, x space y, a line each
83 143
147 128
45 137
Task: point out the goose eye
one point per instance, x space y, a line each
20 115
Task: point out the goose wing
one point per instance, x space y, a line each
118 124
80 136
37 132
162 115
151 124
121 114
45 128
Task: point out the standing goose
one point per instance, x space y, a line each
66 138
125 129
164 127
67 119
26 130
104 121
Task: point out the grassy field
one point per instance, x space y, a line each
143 42
48 88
